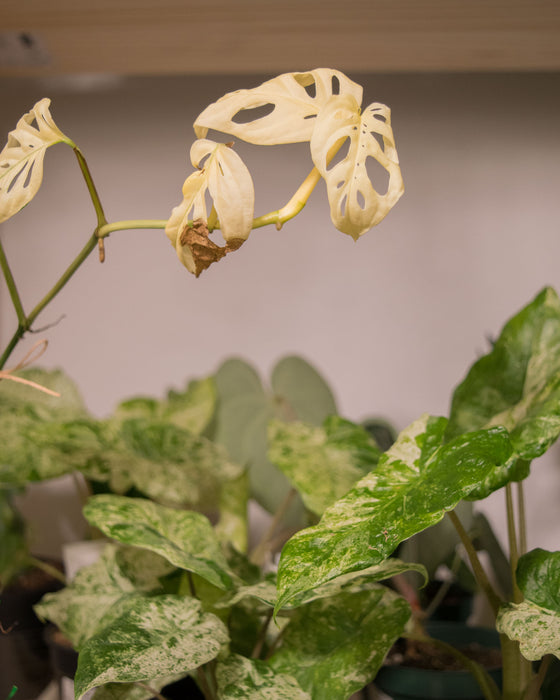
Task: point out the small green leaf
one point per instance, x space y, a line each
416 482
21 159
335 646
184 538
322 463
538 577
154 638
251 679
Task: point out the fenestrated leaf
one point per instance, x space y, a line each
101 591
356 203
184 538
155 638
535 623
228 181
417 480
251 679
516 385
295 100
21 159
322 463
335 646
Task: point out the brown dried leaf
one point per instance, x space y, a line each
203 250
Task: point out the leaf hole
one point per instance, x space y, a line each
16 177
335 85
361 200
28 176
310 116
341 154
379 140
251 114
380 117
307 82
378 176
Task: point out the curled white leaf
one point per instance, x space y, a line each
21 159
355 203
281 110
225 177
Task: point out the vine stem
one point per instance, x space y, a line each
258 554
512 538
11 283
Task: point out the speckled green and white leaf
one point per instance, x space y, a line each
538 577
251 679
536 629
21 159
295 100
101 590
184 538
335 646
155 638
233 524
417 480
132 691
356 203
322 463
516 385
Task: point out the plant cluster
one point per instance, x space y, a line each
179 593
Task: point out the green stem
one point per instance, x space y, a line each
479 573
262 635
258 555
101 220
17 336
11 283
129 224
512 539
516 670
522 519
485 681
47 568
538 680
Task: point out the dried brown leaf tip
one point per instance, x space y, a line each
203 250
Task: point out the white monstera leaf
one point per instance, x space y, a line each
226 178
21 159
355 204
291 103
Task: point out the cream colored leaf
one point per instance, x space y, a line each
225 177
355 203
293 100
21 159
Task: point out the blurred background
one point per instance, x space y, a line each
392 321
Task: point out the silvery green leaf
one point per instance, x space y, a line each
100 590
154 639
536 629
295 98
322 463
21 159
251 679
335 646
184 538
417 480
516 385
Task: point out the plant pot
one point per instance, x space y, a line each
24 658
408 683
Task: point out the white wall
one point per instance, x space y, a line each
393 321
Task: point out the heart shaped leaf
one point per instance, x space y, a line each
356 205
21 159
228 181
416 481
239 677
281 110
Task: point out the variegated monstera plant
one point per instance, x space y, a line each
177 595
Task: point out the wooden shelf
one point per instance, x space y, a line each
151 37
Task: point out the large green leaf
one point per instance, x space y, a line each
184 538
535 623
416 481
516 385
132 691
250 679
322 463
21 159
335 646
154 638
100 591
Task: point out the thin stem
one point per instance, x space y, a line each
258 554
538 680
128 225
522 519
512 538
47 568
151 690
479 573
10 347
11 283
262 635
101 220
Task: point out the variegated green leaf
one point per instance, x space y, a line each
184 538
228 181
536 629
416 482
294 99
21 159
516 385
251 679
322 463
155 638
538 577
101 591
132 691
355 202
233 525
335 646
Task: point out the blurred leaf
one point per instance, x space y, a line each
154 638
415 483
21 159
239 677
